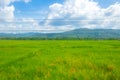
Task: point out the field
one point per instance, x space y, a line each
59 60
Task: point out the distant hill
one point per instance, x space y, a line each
73 34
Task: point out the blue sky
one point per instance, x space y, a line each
59 14
106 3
34 6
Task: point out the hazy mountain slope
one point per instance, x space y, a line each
74 34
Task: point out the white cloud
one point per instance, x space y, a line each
84 14
7 19
7 10
24 25
69 15
4 3
19 25
7 2
26 1
7 13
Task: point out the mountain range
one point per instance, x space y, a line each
73 34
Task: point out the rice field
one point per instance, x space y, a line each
59 60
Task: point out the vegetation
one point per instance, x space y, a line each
59 60
79 34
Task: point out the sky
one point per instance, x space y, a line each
58 15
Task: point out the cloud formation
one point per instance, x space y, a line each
71 14
84 14
7 9
8 21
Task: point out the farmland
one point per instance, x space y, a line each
59 60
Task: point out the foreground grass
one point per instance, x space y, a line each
59 60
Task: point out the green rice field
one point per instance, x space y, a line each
59 60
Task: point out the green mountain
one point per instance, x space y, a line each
73 34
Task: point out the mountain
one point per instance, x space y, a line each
73 34
94 33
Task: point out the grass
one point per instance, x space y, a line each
59 60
